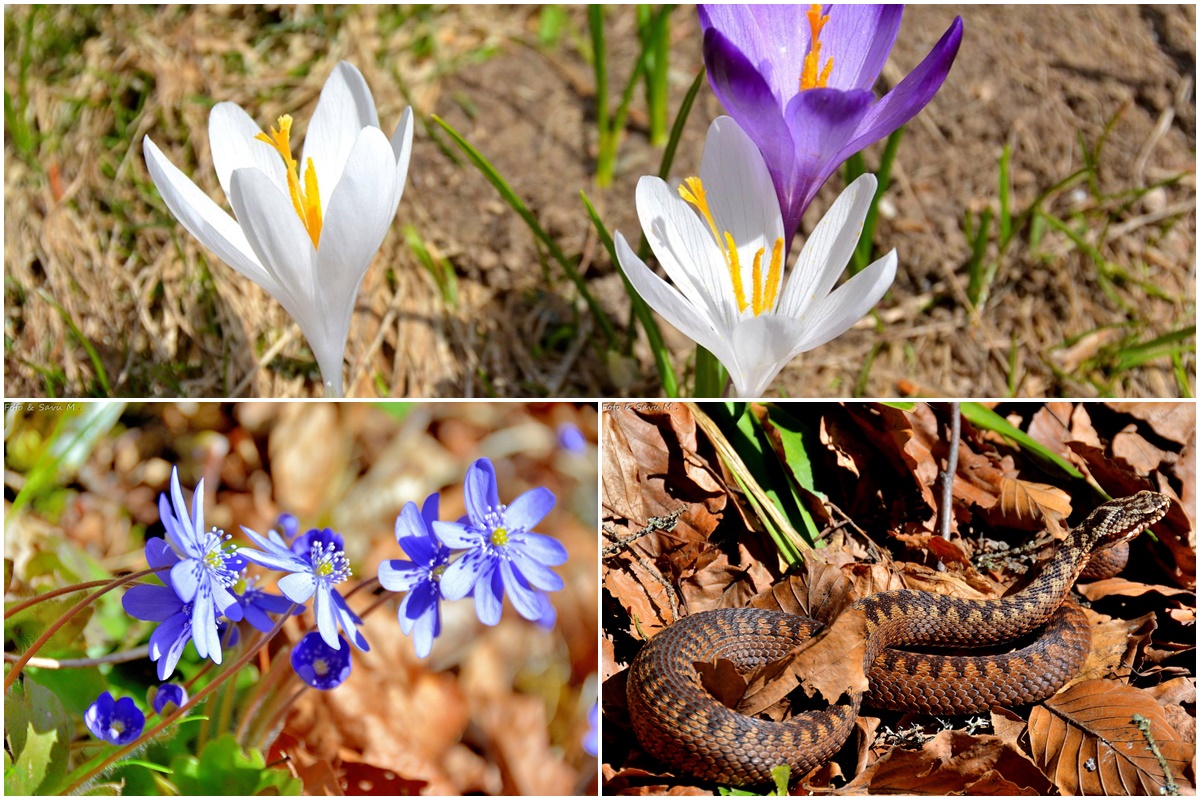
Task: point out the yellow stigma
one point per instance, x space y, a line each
307 202
500 537
814 75
324 568
320 667
436 572
763 294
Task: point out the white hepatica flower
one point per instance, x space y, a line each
306 231
720 241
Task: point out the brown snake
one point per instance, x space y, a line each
678 722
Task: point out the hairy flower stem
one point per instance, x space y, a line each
264 691
179 712
50 595
372 582
20 663
79 663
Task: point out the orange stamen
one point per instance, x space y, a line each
814 76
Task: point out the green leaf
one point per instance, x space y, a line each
224 768
984 417
38 730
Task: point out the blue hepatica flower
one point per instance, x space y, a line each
256 603
162 604
570 438
503 553
169 697
419 614
799 79
317 562
319 665
117 722
203 574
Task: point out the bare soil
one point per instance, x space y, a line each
1059 85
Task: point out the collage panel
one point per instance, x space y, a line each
796 600
287 598
226 201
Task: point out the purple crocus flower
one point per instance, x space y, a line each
317 563
169 697
117 722
203 573
318 664
419 614
503 554
798 79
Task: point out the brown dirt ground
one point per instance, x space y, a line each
166 319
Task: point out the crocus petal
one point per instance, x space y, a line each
861 37
833 315
489 596
762 348
231 137
670 304
529 508
401 142
746 206
278 239
480 492
344 109
299 587
913 92
204 219
323 611
358 215
828 250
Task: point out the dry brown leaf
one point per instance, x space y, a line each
722 680
829 664
1086 739
1132 448
711 581
1176 690
1114 645
953 762
1125 588
1007 725
820 592
1173 421
967 586
1030 506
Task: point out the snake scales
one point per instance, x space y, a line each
678 722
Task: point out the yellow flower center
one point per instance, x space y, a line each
324 569
320 667
437 572
500 537
764 292
814 75
306 200
117 727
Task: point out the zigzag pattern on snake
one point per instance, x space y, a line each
678 722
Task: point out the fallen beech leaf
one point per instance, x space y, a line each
1029 506
711 581
1007 725
829 664
953 762
820 592
1173 421
1176 690
1120 586
1114 643
1087 741
362 778
1132 448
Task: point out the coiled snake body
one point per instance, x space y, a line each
678 722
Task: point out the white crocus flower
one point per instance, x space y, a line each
720 241
305 230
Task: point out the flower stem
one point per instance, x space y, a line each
201 695
262 692
370 582
78 663
65 618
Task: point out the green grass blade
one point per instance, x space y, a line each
979 276
866 242
711 375
1005 197
518 205
662 359
93 356
604 129
984 417
1170 344
685 110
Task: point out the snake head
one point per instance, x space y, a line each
1120 520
